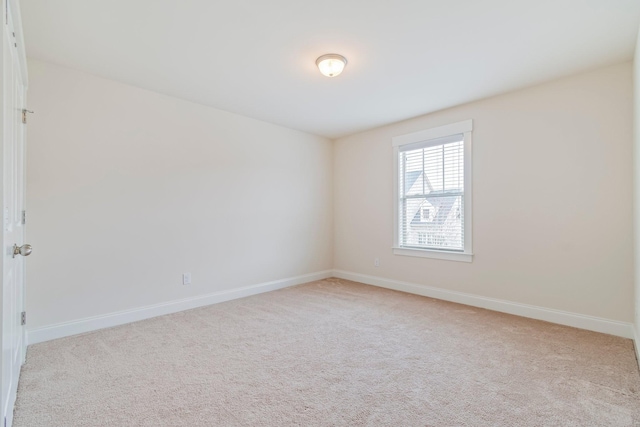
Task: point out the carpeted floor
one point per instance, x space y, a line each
332 353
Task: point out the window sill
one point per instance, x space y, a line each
430 253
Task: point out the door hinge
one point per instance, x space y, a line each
23 318
24 114
23 218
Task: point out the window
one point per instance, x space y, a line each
424 214
422 238
432 193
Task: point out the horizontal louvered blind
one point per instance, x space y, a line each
431 190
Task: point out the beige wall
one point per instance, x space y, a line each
128 189
552 189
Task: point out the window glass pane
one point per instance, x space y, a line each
432 197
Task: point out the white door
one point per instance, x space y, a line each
13 188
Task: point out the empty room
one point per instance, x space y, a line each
337 213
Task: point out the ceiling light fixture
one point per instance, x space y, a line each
331 64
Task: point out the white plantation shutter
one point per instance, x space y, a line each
431 193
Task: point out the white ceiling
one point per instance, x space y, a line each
257 57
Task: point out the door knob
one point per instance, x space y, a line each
24 250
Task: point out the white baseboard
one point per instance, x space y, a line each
597 324
94 323
636 343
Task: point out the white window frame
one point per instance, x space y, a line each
465 128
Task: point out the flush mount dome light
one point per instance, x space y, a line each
331 64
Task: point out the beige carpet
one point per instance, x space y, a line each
332 353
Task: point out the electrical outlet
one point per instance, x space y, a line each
376 262
186 278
